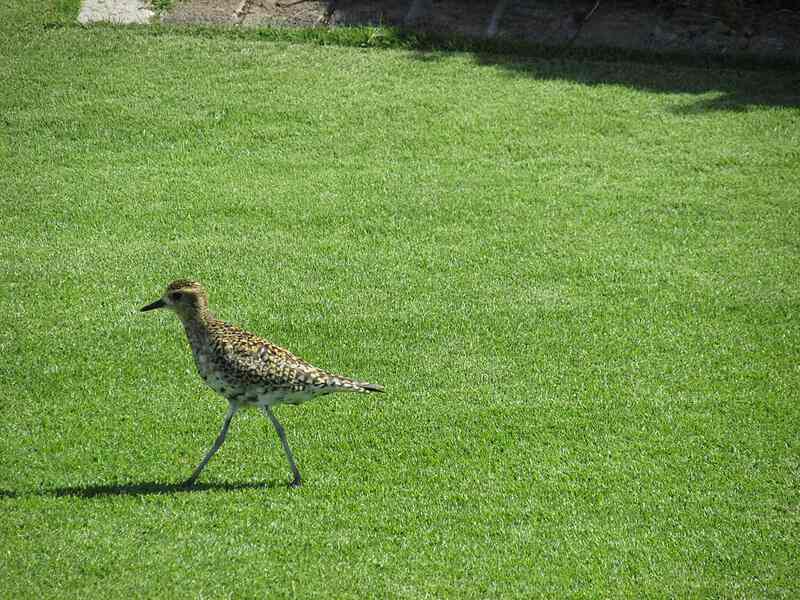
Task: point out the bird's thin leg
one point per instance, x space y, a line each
296 482
217 443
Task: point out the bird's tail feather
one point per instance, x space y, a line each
369 387
342 384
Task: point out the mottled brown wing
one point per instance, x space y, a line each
255 359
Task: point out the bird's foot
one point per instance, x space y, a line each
189 483
296 482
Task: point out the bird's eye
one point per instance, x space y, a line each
175 296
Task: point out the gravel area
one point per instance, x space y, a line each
115 11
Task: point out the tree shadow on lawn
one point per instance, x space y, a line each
151 487
719 88
725 82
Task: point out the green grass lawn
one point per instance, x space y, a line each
578 281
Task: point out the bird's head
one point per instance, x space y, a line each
186 297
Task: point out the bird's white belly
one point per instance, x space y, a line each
272 397
252 394
216 383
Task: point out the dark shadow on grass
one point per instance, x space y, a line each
720 81
719 88
153 487
540 36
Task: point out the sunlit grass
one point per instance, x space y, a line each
581 295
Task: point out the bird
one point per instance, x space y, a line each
247 370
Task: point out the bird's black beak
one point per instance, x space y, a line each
157 304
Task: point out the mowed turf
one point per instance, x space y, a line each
578 282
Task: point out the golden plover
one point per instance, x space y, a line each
246 369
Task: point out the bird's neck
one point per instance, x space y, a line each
197 327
